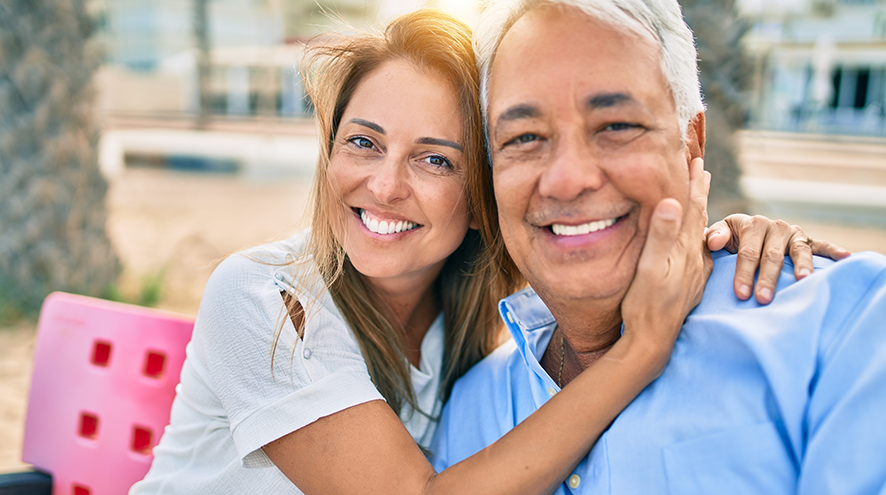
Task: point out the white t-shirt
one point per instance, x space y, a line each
229 402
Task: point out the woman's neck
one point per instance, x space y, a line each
414 307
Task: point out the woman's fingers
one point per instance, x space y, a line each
696 216
719 236
761 244
653 305
664 227
671 271
744 235
800 250
825 248
776 243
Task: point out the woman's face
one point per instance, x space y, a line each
398 168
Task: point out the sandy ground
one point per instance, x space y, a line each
178 226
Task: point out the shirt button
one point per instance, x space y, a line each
551 392
307 354
510 317
574 481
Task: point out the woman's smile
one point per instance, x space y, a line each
384 225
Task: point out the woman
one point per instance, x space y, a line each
325 358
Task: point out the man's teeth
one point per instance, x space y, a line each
585 228
385 227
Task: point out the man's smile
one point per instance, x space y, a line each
585 228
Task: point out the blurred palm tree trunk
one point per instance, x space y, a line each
726 73
204 64
52 195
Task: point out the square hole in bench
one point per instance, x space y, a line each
101 353
155 362
141 439
88 425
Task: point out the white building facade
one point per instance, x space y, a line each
820 66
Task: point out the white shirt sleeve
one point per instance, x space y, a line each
233 338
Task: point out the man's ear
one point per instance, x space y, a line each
695 137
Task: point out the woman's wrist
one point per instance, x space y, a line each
648 356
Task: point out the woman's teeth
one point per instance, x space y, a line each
585 228
386 227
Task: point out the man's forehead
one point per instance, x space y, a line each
556 41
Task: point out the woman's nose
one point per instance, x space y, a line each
388 182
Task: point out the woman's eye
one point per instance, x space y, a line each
361 142
437 161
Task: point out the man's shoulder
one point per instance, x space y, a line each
867 265
859 270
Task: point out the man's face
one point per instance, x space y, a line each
585 143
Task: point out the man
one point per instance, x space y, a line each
594 116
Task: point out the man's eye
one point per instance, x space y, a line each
361 142
437 161
522 139
620 126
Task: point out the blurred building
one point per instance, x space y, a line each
254 50
255 47
820 65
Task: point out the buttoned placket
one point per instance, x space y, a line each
586 477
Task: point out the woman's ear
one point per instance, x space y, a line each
473 225
695 136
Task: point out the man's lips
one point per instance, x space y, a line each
564 230
585 228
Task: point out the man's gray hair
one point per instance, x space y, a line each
659 21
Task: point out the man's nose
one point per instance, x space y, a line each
388 182
572 170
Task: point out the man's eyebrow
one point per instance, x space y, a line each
365 123
439 142
517 112
608 100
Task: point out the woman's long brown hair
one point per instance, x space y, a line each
470 283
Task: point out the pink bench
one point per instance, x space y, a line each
103 384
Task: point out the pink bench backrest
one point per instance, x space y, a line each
103 384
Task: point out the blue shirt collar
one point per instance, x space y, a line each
532 325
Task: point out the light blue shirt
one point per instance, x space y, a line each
785 398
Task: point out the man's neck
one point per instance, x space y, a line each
584 333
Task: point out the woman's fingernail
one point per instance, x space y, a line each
804 272
765 295
744 291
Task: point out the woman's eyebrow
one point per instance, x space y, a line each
439 142
365 123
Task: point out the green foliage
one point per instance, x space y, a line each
152 290
148 294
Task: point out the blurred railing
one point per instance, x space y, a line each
869 121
